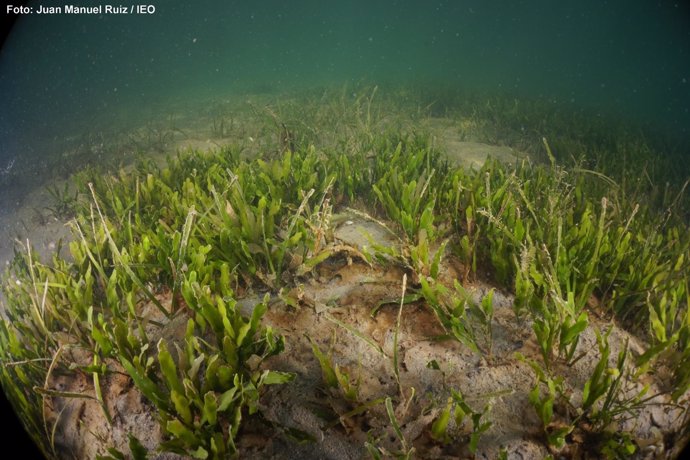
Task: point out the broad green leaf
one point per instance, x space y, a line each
136 448
327 370
182 406
168 368
145 385
276 377
177 429
199 453
210 411
440 426
227 398
571 332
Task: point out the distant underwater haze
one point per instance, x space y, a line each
622 58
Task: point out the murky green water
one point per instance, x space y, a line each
59 72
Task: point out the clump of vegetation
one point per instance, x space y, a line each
64 203
188 239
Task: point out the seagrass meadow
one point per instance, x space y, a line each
357 272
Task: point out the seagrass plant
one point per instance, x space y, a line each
158 246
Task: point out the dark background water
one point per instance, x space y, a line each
625 58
